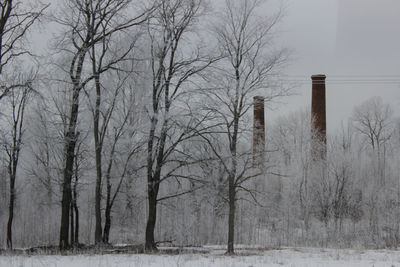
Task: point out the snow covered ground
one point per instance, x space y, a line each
299 257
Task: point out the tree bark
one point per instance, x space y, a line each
76 237
74 206
98 150
107 223
151 219
151 185
72 235
10 213
232 174
66 193
70 142
231 219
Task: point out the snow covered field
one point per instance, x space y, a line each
301 257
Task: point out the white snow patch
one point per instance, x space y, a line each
301 257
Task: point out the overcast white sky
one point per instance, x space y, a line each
339 38
343 38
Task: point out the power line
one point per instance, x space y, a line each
373 80
343 76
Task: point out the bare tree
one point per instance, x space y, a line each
109 52
174 64
250 62
373 120
91 22
346 198
120 150
13 141
16 19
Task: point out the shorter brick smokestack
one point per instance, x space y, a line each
318 113
258 132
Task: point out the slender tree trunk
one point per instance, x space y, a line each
107 223
232 174
76 237
74 206
109 200
98 227
232 193
98 149
151 186
65 203
11 212
231 219
151 219
72 234
66 193
70 142
69 150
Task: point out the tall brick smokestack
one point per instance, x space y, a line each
318 113
258 132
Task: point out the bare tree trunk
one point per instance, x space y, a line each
11 213
152 189
70 142
98 143
232 186
66 193
72 234
76 237
151 219
153 181
231 219
18 104
111 198
74 205
98 230
107 223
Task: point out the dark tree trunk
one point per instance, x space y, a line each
232 174
70 139
98 149
109 201
231 219
107 223
98 230
97 235
107 226
66 193
76 237
153 185
70 142
72 235
10 213
74 206
151 219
